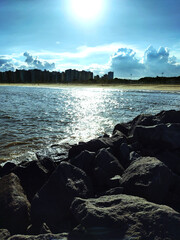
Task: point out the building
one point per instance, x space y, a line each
110 75
75 75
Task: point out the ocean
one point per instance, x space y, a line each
33 118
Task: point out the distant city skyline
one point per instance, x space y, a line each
131 38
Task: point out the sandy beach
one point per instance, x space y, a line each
158 87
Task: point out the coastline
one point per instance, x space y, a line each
155 87
104 182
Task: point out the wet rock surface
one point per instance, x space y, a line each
123 186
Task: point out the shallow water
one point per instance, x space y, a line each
32 118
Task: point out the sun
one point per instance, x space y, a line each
86 10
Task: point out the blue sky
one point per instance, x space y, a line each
138 37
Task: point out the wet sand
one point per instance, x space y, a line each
158 87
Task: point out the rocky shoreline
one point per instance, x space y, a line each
125 186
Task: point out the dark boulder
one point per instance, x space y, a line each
162 136
106 166
171 116
4 234
126 217
109 163
96 144
93 146
149 178
173 199
133 156
170 158
7 168
123 155
14 206
123 128
164 117
51 204
33 175
84 161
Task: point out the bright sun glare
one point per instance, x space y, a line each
86 9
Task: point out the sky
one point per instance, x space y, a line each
133 38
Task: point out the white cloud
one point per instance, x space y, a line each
124 63
123 60
36 63
154 62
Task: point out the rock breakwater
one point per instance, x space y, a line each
124 186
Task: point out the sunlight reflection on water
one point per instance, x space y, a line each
88 116
33 118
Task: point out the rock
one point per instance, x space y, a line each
33 175
48 236
123 128
51 204
109 163
84 161
170 158
164 117
133 156
162 136
126 217
91 146
173 199
4 234
149 178
97 144
106 167
14 206
124 155
7 168
36 230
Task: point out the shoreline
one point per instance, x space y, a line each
104 182
157 87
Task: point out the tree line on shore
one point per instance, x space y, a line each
36 76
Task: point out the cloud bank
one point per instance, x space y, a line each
126 62
38 64
153 63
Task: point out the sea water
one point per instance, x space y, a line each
33 118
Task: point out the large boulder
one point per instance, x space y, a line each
149 178
170 158
162 136
7 168
14 206
95 145
126 217
51 204
33 175
171 116
106 166
84 161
